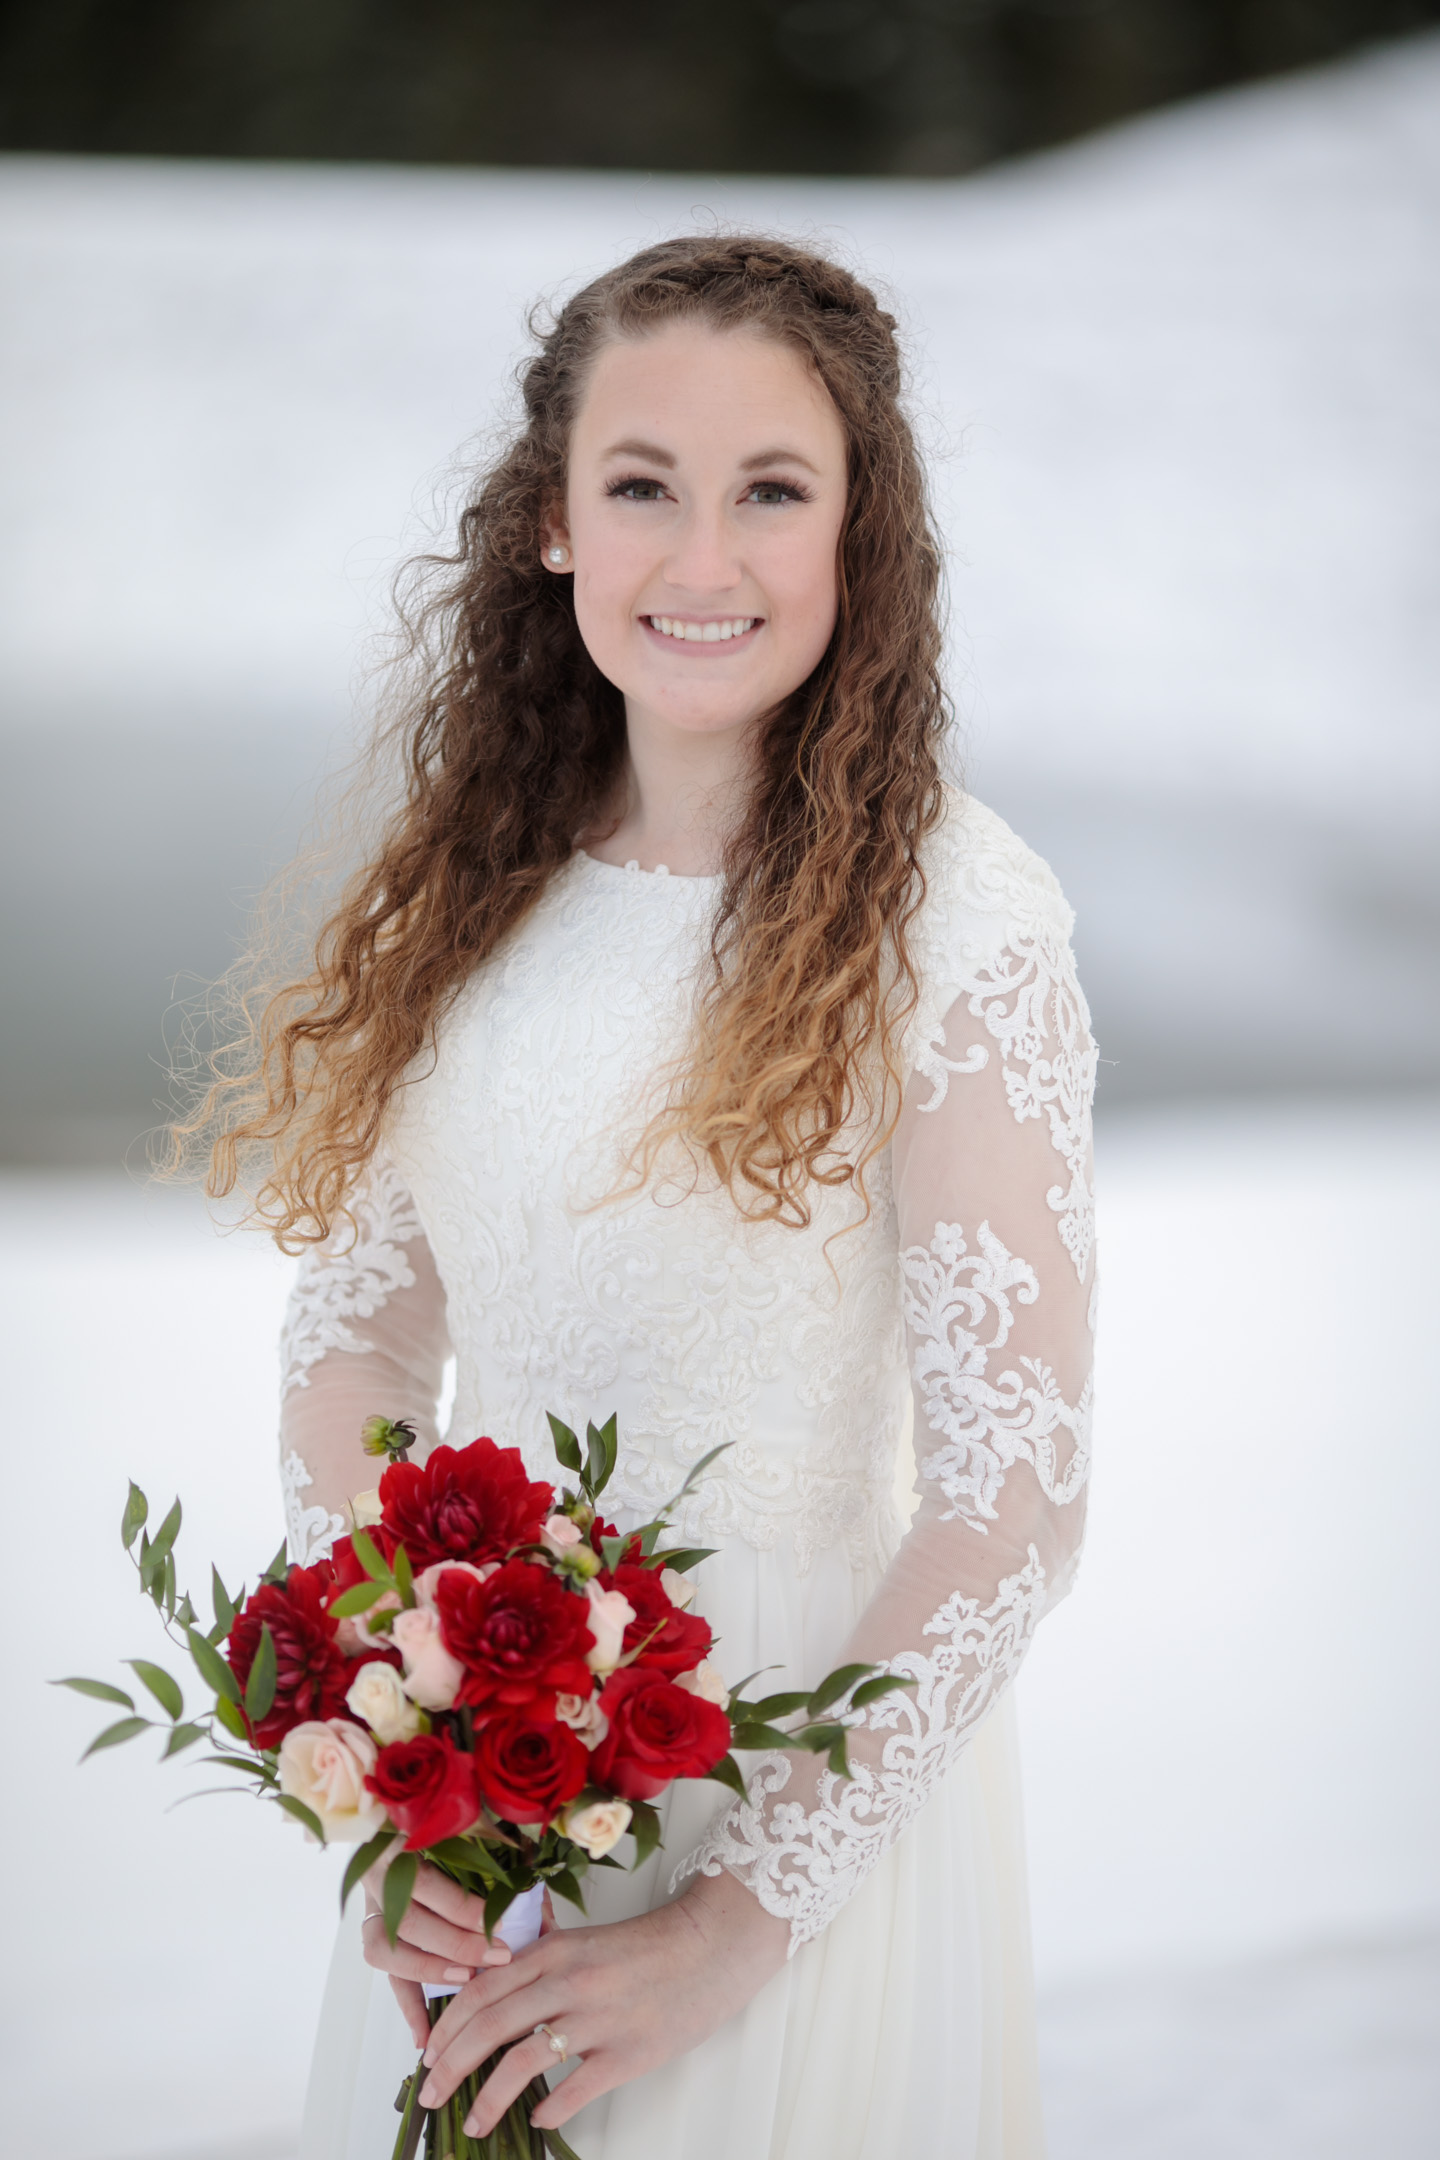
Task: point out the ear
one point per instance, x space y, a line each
555 541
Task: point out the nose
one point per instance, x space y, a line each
703 557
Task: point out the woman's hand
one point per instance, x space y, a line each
625 1998
442 1940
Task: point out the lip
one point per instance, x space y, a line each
696 649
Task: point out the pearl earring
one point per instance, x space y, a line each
559 555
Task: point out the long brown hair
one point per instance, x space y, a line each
512 745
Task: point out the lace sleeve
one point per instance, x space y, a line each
992 1177
364 1335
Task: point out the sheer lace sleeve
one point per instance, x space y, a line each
992 1180
364 1334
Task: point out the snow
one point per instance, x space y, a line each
1231 1773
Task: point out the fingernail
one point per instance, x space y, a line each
429 2093
430 2057
457 1972
496 1957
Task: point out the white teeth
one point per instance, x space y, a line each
694 633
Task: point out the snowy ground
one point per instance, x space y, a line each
1232 1767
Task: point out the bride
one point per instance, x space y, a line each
690 1050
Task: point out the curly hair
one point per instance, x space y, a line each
513 743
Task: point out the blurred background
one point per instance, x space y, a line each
1169 274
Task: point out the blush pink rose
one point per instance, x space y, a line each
610 1614
432 1676
427 1584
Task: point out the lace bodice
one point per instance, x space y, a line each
495 1221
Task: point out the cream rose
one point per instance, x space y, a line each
560 1535
365 1509
582 1713
610 1614
678 1588
325 1766
432 1676
597 1826
707 1682
377 1695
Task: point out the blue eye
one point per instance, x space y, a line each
637 489
768 492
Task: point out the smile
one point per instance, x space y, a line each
718 632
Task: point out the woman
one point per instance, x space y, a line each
690 1050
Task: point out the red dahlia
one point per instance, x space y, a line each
469 1503
521 1636
311 1672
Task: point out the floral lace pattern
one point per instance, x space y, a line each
350 1277
1025 991
310 1532
988 1424
805 1862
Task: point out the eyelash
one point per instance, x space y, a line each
792 489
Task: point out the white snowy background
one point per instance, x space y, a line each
1182 386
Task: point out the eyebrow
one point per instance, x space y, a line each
654 455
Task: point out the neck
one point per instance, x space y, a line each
681 793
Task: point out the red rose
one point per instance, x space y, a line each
657 1732
529 1767
428 1787
675 1641
312 1673
520 1636
469 1503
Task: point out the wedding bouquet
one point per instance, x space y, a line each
485 1674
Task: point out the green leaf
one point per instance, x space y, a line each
497 1903
98 1690
213 1670
771 1707
398 1890
363 1859
223 1603
883 1684
567 1886
359 1598
817 1738
728 1772
404 1574
166 1535
755 1734
167 1586
244 1763
612 1550
279 1568
160 1684
367 1553
302 1814
839 1760
229 1716
260 1683
698 1472
137 1509
645 1829
185 1612
567 1446
835 1685
685 1557
595 1472
123 1729
181 1737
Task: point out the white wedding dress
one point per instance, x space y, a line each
487 1227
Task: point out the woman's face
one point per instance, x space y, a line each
706 494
